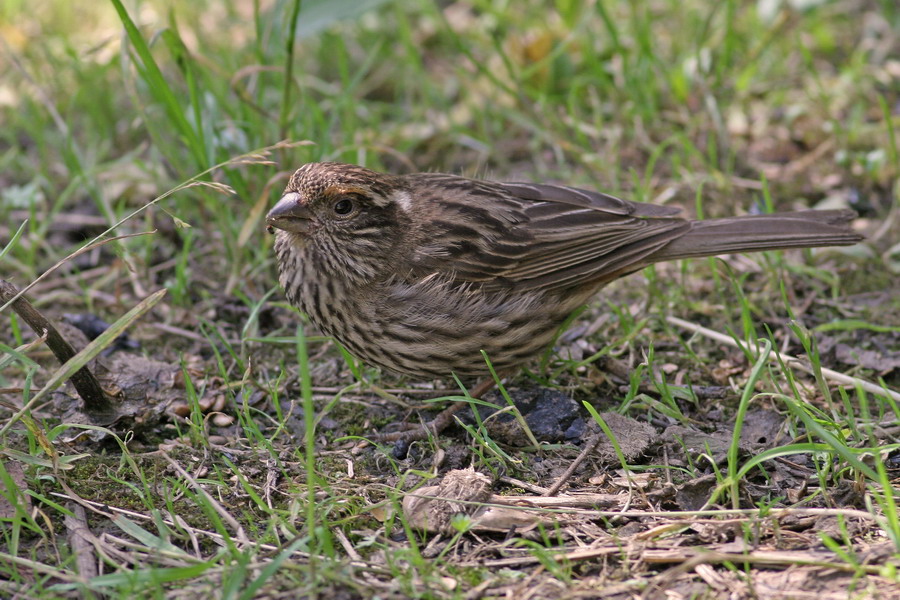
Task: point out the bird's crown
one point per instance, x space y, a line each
324 179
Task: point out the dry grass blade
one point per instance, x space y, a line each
226 516
258 156
259 207
95 243
80 540
791 361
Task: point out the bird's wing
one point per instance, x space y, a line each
536 236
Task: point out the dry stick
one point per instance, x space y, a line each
588 449
80 541
791 361
87 386
440 422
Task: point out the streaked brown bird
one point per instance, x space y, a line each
419 273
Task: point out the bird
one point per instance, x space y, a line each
420 273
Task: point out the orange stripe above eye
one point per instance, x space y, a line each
342 190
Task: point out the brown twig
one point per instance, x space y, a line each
80 537
439 423
87 386
589 448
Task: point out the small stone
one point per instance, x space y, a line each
222 420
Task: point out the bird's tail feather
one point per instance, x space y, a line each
779 231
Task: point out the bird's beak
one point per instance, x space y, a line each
290 214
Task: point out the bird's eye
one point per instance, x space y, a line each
343 207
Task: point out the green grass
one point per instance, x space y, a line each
126 118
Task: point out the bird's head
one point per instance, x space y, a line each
350 213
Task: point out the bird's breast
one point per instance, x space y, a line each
430 326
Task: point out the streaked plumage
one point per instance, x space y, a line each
426 270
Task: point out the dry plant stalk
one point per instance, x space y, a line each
86 384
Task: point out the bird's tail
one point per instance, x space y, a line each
779 231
